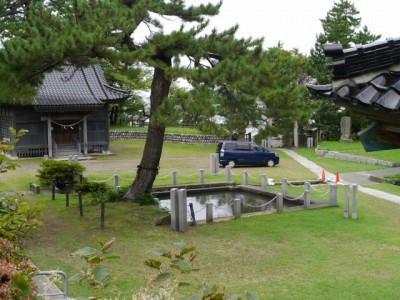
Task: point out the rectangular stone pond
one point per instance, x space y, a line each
253 200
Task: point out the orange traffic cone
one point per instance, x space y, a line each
337 177
323 178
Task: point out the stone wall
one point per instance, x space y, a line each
169 137
357 159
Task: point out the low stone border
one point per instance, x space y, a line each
380 179
357 159
170 137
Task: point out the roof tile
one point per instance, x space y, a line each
76 89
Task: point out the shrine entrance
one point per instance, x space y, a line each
66 134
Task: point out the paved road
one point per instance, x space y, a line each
360 178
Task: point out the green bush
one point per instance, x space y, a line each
17 219
90 187
146 199
62 172
116 195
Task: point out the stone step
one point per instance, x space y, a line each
67 150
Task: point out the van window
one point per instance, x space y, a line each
243 146
256 148
230 146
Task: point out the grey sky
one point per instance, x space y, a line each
295 23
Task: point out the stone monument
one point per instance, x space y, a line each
345 129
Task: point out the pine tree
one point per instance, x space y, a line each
341 25
228 75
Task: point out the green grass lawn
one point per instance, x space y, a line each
356 148
306 254
309 254
335 165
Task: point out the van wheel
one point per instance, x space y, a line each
270 163
232 163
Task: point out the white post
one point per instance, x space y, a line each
346 201
201 176
245 178
307 200
279 203
284 186
182 208
307 186
237 208
173 178
216 160
333 194
174 209
264 182
212 165
209 212
354 202
115 181
228 176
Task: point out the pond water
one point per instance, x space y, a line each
223 202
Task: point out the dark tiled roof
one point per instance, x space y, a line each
367 80
363 58
76 89
382 93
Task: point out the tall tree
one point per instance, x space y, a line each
45 34
285 100
227 74
342 24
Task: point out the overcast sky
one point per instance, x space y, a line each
295 23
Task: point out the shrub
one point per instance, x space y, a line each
62 172
17 219
90 187
7 145
146 199
15 273
116 195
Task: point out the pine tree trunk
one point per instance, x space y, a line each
149 165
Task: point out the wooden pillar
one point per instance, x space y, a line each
49 137
85 136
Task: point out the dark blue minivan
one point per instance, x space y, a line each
235 153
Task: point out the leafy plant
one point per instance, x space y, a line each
146 199
90 187
6 146
94 272
15 273
62 172
182 261
116 195
17 219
